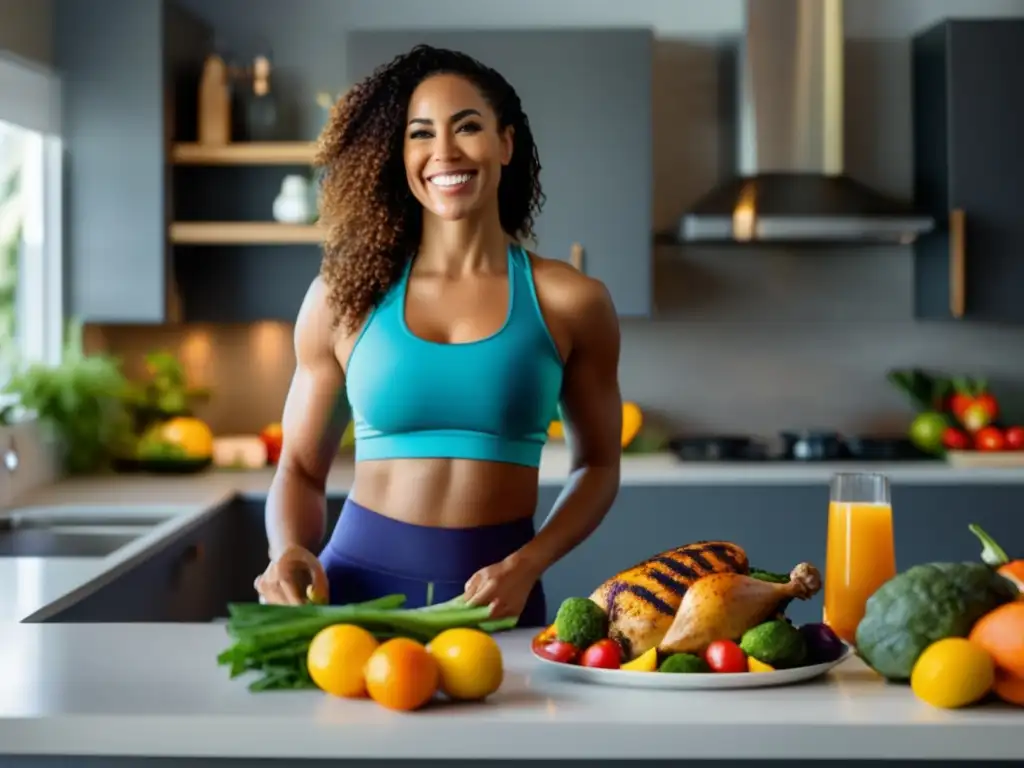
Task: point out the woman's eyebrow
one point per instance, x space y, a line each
453 119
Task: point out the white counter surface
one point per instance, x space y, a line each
144 689
154 690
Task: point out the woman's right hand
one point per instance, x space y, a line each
289 574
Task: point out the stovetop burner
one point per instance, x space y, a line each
796 446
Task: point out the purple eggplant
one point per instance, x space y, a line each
823 645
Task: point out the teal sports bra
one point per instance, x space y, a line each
491 399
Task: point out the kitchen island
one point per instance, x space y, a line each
154 691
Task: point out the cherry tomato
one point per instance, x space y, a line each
547 645
604 654
1015 438
955 439
560 651
725 656
989 439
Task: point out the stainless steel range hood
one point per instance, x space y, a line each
790 185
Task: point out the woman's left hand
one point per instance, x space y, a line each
504 586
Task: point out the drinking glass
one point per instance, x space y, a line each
861 553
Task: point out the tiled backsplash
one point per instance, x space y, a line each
744 376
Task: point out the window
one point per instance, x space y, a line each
31 297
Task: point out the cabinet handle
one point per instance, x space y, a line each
576 256
957 262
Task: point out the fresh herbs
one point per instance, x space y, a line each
273 640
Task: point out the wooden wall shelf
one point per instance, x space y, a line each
245 153
243 233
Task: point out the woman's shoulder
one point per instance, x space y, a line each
564 288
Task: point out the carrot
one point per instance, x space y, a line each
994 555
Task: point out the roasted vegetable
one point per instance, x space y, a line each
684 663
642 601
924 604
580 622
776 643
723 606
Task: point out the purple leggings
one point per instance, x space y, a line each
370 555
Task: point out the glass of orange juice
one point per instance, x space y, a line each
861 553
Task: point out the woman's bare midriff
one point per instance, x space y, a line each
446 493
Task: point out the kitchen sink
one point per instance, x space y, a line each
75 531
66 541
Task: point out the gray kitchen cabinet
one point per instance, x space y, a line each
121 61
968 80
587 94
779 526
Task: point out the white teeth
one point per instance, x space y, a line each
451 179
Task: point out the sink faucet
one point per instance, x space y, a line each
9 461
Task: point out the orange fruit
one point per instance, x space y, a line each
402 675
1009 688
336 659
470 662
1001 633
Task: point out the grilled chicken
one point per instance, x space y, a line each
725 605
642 601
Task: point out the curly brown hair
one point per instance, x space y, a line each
373 222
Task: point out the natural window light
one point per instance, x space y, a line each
31 297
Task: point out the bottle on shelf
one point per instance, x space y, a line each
261 111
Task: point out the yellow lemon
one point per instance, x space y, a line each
753 665
470 662
951 673
645 662
337 658
190 434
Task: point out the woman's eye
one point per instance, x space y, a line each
419 135
470 127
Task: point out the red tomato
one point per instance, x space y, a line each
725 656
989 439
547 645
955 439
604 654
560 651
1015 438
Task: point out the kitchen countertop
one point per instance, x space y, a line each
154 690
145 689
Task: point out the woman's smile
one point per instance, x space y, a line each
454 182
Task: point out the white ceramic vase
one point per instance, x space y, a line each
292 204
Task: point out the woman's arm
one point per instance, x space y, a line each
592 414
313 422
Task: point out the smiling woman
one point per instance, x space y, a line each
453 345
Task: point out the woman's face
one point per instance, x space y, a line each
454 150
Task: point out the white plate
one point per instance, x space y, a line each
688 682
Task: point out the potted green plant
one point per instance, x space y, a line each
81 401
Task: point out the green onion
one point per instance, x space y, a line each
273 640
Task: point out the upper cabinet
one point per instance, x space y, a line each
587 94
968 82
120 60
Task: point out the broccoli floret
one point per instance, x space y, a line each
580 622
684 663
776 643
